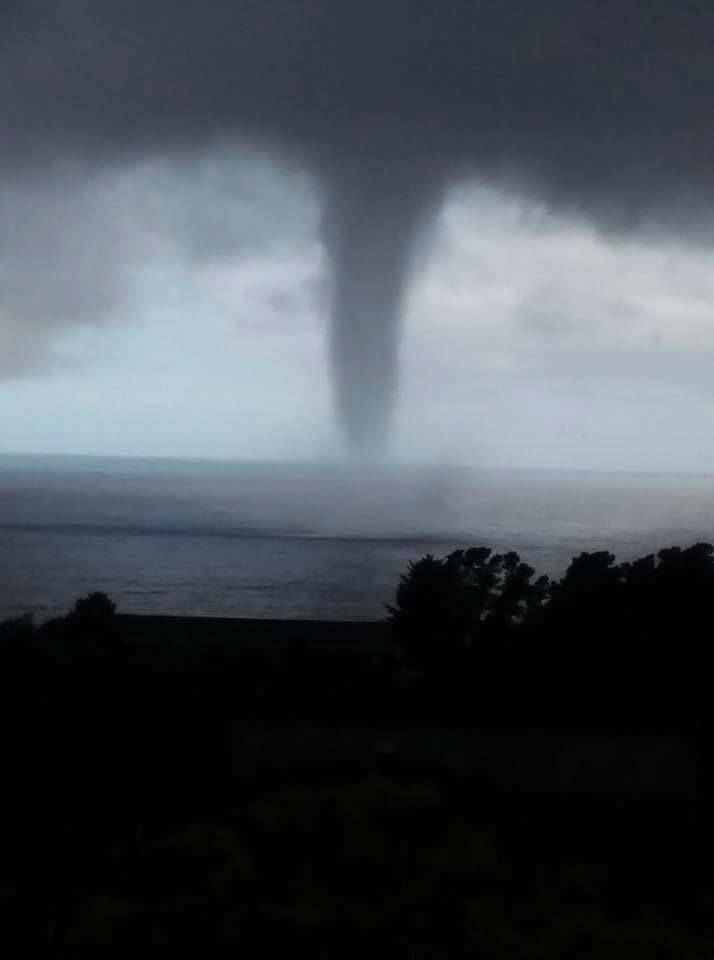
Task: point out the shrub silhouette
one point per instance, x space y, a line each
622 645
444 606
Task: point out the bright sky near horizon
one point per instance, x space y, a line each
529 338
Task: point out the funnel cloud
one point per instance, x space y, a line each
602 109
375 212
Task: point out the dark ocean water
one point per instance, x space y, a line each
303 540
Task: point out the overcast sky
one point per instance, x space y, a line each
164 287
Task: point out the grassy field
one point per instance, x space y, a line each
408 867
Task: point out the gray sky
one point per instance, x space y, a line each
164 278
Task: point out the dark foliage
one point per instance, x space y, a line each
446 606
609 644
111 748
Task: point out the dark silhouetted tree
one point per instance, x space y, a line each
443 607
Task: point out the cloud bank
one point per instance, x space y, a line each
599 109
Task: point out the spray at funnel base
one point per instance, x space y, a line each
373 215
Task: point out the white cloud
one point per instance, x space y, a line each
536 340
529 339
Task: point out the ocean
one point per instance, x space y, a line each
323 541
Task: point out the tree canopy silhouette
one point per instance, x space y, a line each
443 607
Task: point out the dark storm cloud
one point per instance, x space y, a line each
60 265
603 107
591 100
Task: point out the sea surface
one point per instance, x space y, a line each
325 541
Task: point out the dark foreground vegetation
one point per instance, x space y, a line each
168 791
